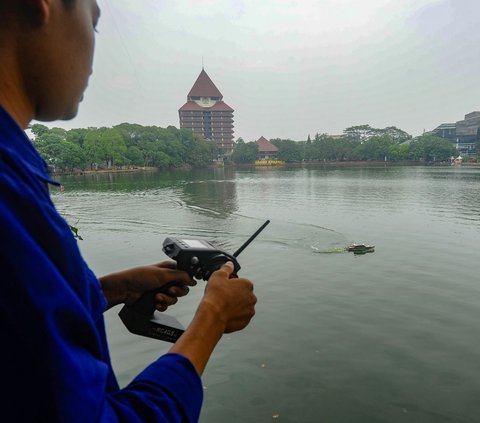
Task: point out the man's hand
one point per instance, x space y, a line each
228 305
127 286
231 298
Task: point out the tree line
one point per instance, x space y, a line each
128 144
357 143
121 146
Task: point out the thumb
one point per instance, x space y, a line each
228 268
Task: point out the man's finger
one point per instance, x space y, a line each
167 264
162 299
178 291
179 276
228 268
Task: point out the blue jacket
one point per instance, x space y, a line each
54 359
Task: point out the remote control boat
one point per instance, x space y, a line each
361 248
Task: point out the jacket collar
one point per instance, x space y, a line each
14 140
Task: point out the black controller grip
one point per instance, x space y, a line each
138 317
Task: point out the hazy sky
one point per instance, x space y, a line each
288 68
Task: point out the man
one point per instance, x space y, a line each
54 359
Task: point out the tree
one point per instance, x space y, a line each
130 132
327 148
104 145
359 133
395 134
362 133
93 147
38 129
60 154
113 147
398 152
161 160
77 136
288 150
134 156
245 152
375 148
198 152
430 148
127 144
62 133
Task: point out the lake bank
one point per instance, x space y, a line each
252 165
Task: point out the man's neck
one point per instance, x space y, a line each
13 93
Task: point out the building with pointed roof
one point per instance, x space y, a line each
206 114
266 150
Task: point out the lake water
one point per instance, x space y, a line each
391 336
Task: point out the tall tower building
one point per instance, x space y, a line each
207 115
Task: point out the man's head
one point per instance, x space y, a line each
46 54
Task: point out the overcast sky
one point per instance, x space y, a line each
288 68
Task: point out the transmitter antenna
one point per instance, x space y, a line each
249 240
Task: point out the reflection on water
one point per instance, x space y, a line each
206 190
216 195
389 336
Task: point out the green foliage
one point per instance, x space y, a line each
132 144
77 136
134 156
326 148
398 152
374 148
92 147
362 133
62 133
60 154
359 133
113 147
39 129
197 151
395 134
430 148
366 143
288 150
245 152
75 233
124 144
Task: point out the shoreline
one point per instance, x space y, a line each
253 165
106 171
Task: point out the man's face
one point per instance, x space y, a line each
66 62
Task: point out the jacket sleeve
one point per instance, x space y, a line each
166 391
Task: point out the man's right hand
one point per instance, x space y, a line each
228 305
232 298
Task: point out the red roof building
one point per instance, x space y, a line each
266 150
207 115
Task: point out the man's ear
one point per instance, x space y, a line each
38 11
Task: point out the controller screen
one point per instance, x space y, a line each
195 243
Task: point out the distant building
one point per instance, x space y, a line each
446 130
464 134
468 132
266 150
207 115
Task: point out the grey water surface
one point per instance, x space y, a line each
391 336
